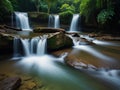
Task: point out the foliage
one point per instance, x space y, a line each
5 8
67 7
66 17
25 6
105 15
50 3
37 4
87 8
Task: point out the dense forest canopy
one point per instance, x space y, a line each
98 12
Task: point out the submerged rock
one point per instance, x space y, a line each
11 83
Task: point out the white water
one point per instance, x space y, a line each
34 46
51 21
57 22
16 47
74 23
54 21
22 21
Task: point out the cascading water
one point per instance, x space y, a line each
54 21
51 21
16 47
22 21
73 26
57 22
34 46
41 46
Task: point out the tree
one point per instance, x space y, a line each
5 8
37 4
50 3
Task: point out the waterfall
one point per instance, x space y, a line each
74 23
54 21
26 46
51 21
22 21
41 46
57 21
34 46
16 47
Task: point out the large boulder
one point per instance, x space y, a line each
59 40
11 83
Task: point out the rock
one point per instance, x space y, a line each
93 35
75 35
11 83
47 30
3 76
29 85
58 41
7 43
82 41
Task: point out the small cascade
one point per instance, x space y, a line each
57 21
26 46
74 23
34 46
16 44
41 46
54 21
22 21
51 21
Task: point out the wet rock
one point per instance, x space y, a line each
107 37
47 30
82 41
59 41
75 35
11 83
93 35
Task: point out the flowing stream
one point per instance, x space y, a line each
99 67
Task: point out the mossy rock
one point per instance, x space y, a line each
59 41
6 43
